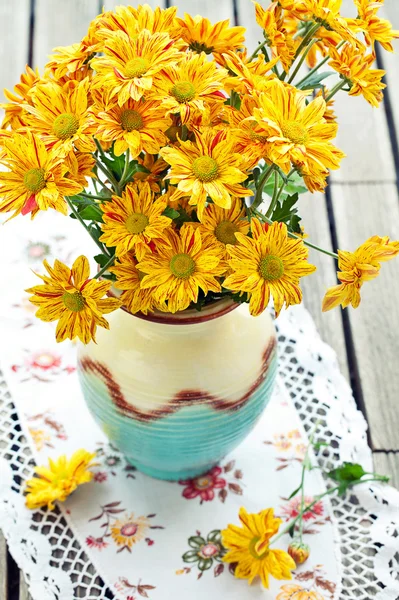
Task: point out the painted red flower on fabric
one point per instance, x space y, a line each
94 542
44 360
292 508
204 485
100 476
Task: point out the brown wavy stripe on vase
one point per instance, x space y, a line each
182 398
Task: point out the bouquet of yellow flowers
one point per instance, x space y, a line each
183 156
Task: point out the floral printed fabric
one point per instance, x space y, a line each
149 538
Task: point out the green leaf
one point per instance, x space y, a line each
90 212
314 81
101 259
171 213
347 473
287 212
294 493
294 185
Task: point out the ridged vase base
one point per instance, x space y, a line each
172 475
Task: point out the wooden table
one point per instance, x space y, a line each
362 200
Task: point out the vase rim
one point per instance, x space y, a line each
213 310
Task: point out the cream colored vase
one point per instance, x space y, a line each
176 393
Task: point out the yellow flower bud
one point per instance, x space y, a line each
299 552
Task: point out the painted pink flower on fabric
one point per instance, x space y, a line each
98 543
100 476
292 508
204 485
44 360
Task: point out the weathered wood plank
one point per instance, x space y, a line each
60 23
391 60
360 212
111 4
362 134
214 11
3 568
387 463
14 36
313 210
23 588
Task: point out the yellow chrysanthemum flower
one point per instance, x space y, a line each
355 67
249 547
132 20
132 221
269 263
57 481
187 87
75 301
219 225
299 133
129 279
178 270
247 75
201 36
80 167
129 65
250 140
357 267
67 60
154 168
138 125
327 14
282 44
36 180
58 114
324 39
374 28
15 115
297 592
207 168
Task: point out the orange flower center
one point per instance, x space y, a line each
65 126
295 132
182 265
183 91
131 119
74 302
225 231
34 180
205 168
271 267
202 482
136 67
136 223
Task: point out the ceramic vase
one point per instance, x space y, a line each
177 392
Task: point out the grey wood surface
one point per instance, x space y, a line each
363 201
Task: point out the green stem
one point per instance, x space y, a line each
125 169
108 174
293 235
257 50
335 89
81 221
262 182
99 147
328 492
302 45
105 267
300 63
276 196
90 196
317 67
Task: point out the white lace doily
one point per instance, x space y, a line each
55 561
